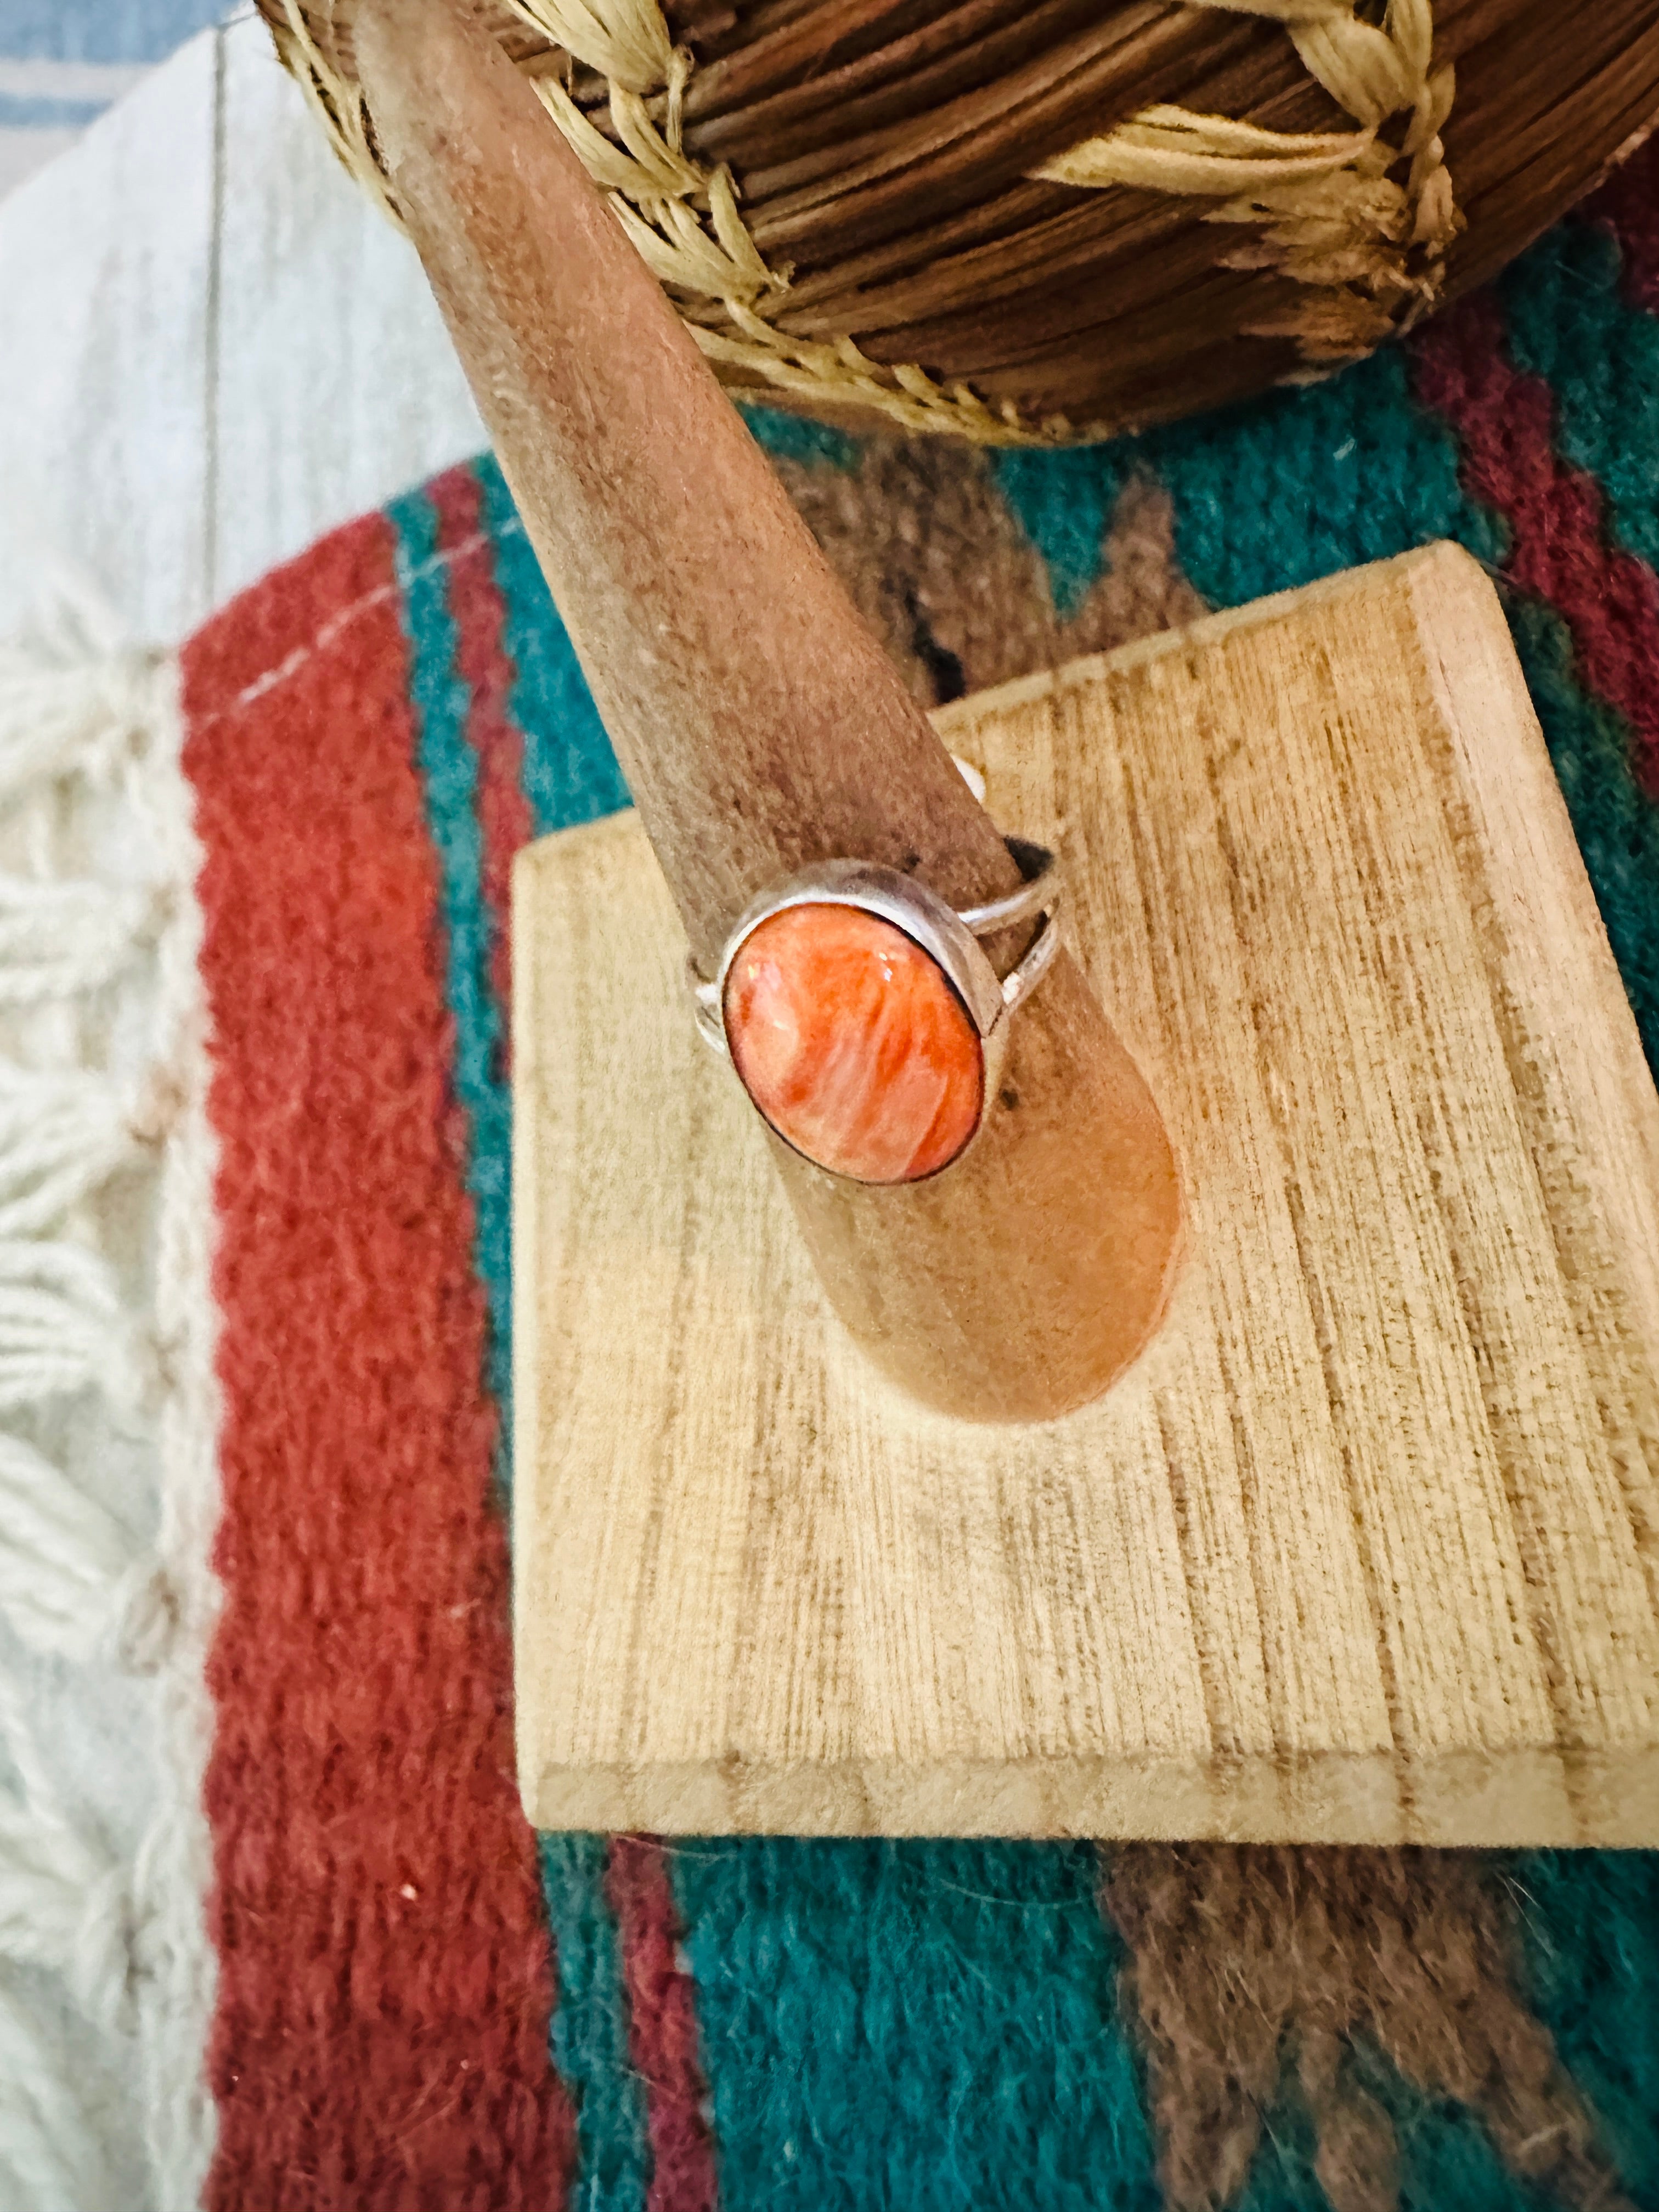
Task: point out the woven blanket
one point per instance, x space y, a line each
357 1981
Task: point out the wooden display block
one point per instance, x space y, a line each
1365 1547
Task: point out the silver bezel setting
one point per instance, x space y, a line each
950 936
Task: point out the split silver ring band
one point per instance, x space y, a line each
863 1018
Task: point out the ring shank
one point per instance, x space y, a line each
1036 863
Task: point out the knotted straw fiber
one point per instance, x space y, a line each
1332 239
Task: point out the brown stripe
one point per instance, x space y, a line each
1256 1969
937 564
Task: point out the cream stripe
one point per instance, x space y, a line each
88 81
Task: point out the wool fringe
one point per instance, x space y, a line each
89 753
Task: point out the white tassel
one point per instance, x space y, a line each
62 1327
75 699
71 1581
63 1901
58 939
63 1133
53 725
82 713
50 2156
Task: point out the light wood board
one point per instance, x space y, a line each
1365 1547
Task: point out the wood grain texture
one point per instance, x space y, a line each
105 267
336 385
1364 1548
212 348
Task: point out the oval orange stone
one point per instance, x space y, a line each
852 1044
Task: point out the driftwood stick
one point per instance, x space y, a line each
761 728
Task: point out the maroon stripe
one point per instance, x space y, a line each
482 662
662 2036
1628 203
1505 419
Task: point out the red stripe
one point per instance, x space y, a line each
662 2036
1628 205
476 607
1505 419
663 2033
384 1982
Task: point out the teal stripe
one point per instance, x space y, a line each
570 773
1616 823
798 438
589 2034
449 778
590 2030
923 2026
1298 485
1590 1921
1568 321
1267 495
1064 502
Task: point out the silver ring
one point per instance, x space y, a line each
872 1041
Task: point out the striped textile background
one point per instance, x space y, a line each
62 62
421 2004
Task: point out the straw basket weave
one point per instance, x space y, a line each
1037 221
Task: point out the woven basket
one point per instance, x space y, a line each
1035 224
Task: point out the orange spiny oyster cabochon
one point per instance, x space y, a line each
852 1044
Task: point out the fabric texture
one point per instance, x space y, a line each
62 62
419 2003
